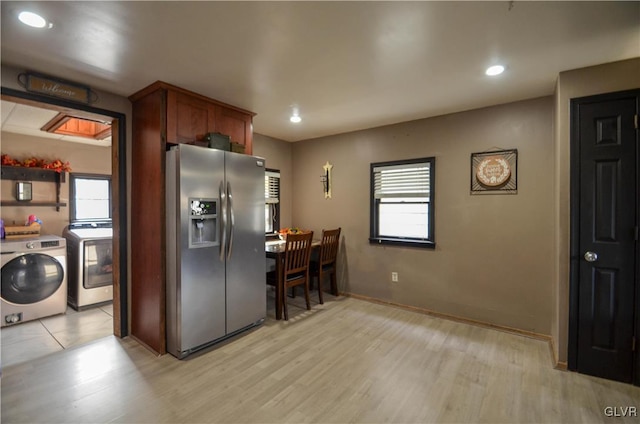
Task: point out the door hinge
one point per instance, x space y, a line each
637 231
633 344
635 120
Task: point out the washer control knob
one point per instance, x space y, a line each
31 245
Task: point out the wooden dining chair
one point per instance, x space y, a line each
327 259
295 271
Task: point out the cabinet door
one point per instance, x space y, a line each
237 125
187 118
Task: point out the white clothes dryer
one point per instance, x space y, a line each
34 278
89 259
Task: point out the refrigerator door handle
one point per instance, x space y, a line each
233 220
223 222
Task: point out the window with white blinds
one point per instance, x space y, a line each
272 201
272 187
402 202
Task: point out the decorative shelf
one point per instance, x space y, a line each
20 173
31 203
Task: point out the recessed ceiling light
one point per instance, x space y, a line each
494 70
33 20
295 119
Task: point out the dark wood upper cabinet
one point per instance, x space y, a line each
187 118
236 125
190 116
164 114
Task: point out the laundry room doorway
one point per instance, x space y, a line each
116 155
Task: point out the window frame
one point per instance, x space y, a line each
72 195
374 237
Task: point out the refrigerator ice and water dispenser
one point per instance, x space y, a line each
203 223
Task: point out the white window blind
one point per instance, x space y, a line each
272 187
404 180
91 197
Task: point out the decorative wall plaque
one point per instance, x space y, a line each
54 87
494 172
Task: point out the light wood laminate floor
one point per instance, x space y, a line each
345 361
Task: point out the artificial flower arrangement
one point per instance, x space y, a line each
282 233
33 162
292 230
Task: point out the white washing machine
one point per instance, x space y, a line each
34 278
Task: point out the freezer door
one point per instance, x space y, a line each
246 294
196 279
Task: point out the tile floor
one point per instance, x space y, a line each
33 339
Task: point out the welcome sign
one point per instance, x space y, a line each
56 88
494 172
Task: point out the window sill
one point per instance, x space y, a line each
402 242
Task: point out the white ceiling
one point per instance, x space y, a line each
344 65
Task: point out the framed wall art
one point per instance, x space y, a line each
494 172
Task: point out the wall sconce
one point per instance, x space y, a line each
326 180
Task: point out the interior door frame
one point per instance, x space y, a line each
119 190
574 265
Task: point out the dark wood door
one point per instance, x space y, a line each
606 251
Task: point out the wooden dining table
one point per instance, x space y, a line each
275 250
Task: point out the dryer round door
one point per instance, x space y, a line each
31 278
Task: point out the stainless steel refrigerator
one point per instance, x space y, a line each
215 246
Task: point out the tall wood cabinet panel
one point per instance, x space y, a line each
148 222
164 114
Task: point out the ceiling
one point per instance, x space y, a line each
29 120
343 65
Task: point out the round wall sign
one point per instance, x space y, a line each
493 171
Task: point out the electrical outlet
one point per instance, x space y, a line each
394 277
